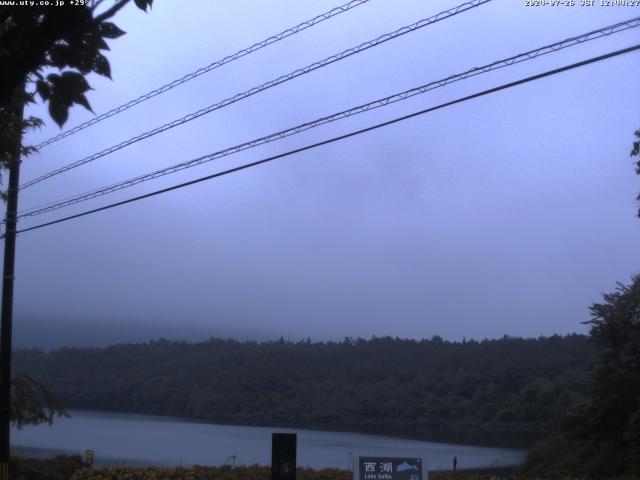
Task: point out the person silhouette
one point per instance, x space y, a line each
455 463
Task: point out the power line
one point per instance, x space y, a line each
341 137
212 66
272 83
529 55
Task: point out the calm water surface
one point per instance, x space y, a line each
145 440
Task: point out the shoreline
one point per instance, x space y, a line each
52 454
473 438
141 440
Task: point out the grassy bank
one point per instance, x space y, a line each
59 468
259 473
73 468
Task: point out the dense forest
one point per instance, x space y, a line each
510 388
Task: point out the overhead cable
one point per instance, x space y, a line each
340 137
529 55
272 83
212 66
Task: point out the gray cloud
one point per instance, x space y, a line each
509 214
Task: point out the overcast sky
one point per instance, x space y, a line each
508 214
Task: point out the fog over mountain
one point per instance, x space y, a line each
509 214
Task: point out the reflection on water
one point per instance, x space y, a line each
145 440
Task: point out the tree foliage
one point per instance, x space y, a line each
510 387
635 152
601 436
47 52
32 402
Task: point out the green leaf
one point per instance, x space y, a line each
29 98
59 112
53 78
102 45
75 81
62 55
82 100
70 89
31 122
110 30
101 65
143 4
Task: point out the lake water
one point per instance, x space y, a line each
147 440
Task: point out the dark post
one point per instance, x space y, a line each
13 165
283 456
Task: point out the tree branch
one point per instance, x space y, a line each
111 11
96 4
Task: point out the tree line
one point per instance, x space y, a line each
510 388
599 436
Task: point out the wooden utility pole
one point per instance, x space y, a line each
13 165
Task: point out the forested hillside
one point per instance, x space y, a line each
425 388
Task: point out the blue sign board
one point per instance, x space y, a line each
389 468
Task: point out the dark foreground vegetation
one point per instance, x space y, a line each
384 385
59 468
73 468
600 436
